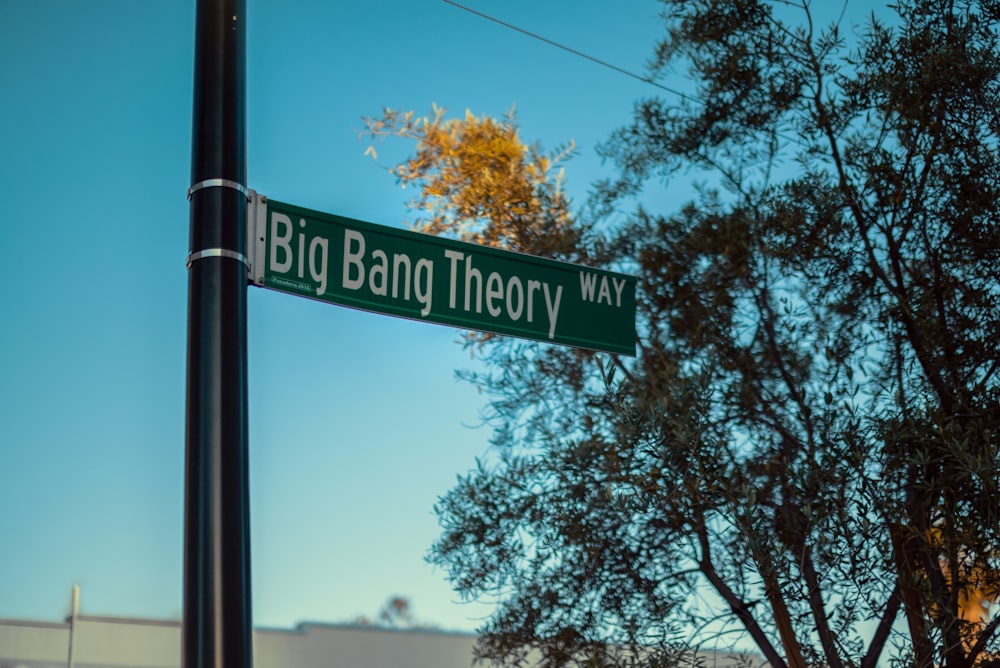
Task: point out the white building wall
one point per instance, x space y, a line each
106 642
102 642
33 642
318 646
128 643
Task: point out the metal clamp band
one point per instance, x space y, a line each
217 252
218 183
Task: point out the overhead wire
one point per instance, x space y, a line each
571 50
593 59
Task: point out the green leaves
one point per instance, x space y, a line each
807 440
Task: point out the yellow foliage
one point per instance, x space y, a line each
478 181
979 584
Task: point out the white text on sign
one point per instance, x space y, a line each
402 277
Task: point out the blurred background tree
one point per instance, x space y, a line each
396 612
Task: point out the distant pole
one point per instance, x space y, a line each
217 630
74 612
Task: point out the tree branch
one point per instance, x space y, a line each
738 606
878 641
983 638
815 595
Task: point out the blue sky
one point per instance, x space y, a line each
357 424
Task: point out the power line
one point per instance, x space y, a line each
586 56
571 50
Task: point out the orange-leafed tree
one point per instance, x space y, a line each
479 181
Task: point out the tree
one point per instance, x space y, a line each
803 456
479 181
396 612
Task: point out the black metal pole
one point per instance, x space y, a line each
217 616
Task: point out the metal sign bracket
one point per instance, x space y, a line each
256 228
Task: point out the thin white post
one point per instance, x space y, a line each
74 610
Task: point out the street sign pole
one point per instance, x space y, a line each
217 627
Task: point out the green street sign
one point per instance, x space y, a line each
423 277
